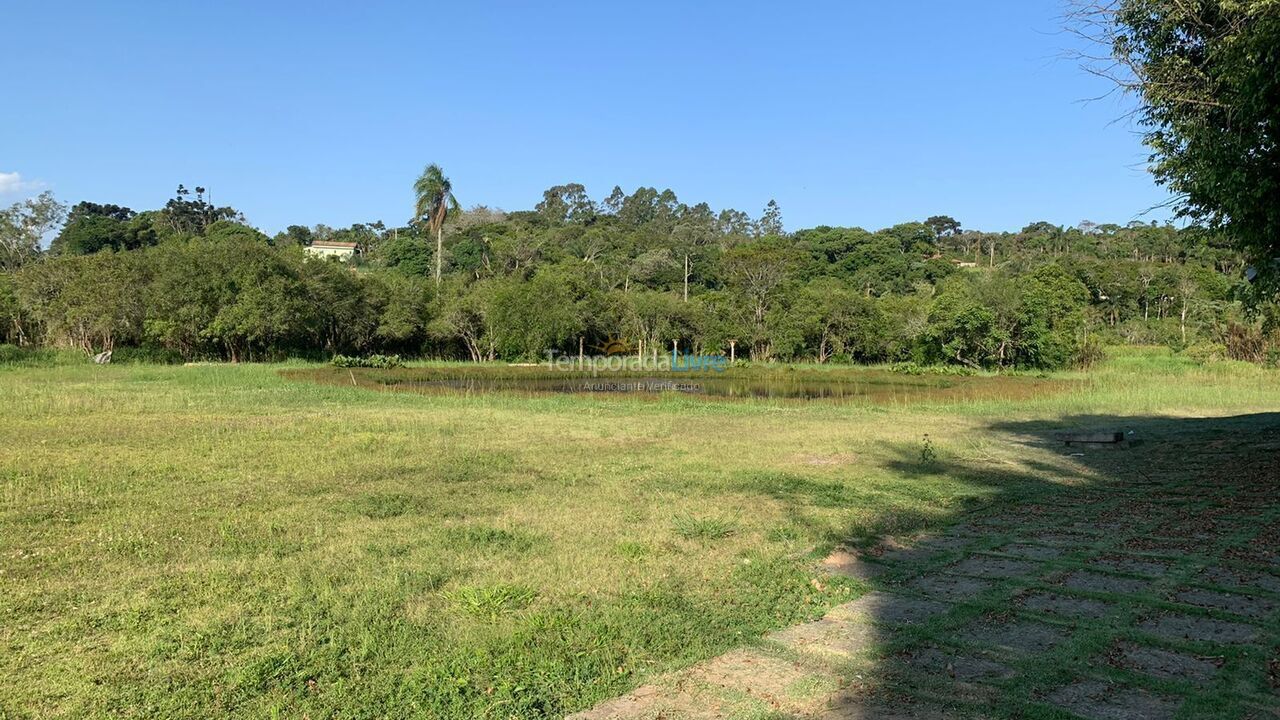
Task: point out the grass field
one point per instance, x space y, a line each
221 540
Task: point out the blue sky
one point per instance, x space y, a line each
848 113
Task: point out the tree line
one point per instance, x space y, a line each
639 270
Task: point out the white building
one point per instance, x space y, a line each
324 248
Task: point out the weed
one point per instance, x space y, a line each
705 528
492 601
928 455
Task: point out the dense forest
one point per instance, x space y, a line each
194 281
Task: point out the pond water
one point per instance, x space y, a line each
876 386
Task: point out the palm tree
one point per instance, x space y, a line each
435 201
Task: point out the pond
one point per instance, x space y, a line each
846 384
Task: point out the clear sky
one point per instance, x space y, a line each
848 113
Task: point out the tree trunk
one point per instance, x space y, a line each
439 251
686 277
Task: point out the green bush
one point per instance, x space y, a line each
912 368
1090 352
1205 352
13 355
383 362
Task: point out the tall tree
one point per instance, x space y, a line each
23 226
92 227
943 225
771 221
435 201
193 217
1207 77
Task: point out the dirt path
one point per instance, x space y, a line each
1154 596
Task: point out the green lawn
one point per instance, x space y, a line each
218 540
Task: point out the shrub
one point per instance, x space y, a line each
912 368
1249 342
1090 352
384 362
1205 352
39 357
692 528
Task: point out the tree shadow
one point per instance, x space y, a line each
1094 581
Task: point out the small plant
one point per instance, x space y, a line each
382 362
1090 352
491 601
928 455
692 528
632 550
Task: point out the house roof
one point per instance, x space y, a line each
330 244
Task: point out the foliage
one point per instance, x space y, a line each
1207 76
87 302
913 368
23 225
15 356
433 201
367 361
185 215
644 270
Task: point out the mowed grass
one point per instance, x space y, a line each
217 540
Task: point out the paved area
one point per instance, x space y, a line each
1152 593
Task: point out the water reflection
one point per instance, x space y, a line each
865 388
852 384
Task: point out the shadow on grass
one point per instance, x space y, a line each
1136 580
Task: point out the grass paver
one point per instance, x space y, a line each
828 636
1179 626
1034 552
994 567
1100 583
888 609
1067 607
957 665
1097 700
951 587
1133 565
1257 608
1166 664
1023 637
